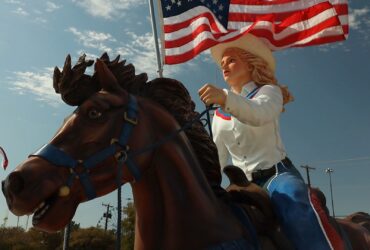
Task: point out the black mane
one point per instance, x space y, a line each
75 87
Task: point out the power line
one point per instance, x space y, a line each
364 158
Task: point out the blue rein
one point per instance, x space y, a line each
118 148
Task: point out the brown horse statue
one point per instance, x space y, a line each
128 130
105 138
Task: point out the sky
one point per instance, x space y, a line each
327 126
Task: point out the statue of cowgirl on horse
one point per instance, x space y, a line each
172 166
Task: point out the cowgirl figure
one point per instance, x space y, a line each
246 128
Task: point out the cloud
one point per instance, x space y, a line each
14 2
359 21
358 17
137 49
40 20
93 39
39 84
20 11
50 6
334 46
140 51
108 9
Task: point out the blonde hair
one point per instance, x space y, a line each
261 73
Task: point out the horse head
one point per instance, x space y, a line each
83 160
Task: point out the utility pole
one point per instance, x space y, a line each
329 171
5 218
67 234
308 168
107 215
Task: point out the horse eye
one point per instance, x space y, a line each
94 114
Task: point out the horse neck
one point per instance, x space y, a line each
174 203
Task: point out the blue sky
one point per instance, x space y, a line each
328 125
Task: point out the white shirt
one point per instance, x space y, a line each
248 129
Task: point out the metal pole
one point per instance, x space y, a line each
67 232
155 34
329 171
119 204
27 222
119 220
308 168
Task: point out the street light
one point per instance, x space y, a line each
329 171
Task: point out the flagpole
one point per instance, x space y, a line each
155 34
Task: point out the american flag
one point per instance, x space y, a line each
192 26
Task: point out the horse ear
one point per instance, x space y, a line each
106 78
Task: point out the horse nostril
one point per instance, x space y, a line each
15 183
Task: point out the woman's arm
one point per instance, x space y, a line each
263 108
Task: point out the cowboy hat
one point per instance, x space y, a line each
247 42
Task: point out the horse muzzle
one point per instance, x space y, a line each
12 186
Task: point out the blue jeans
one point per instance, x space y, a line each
298 213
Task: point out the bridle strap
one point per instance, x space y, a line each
59 157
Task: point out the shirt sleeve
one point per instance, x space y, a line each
263 108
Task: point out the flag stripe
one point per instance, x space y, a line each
259 2
183 20
299 38
304 37
298 21
250 16
200 38
177 55
276 8
173 32
181 39
282 30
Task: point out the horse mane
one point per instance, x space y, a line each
75 87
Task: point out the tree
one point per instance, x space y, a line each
92 239
45 241
128 227
15 238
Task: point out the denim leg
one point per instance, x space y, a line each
290 198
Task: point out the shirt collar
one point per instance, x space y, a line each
248 88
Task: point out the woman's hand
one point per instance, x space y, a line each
210 94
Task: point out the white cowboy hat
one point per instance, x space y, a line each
247 42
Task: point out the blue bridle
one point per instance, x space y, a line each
118 148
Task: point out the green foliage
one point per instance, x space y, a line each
128 227
15 238
92 239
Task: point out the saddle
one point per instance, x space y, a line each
256 203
